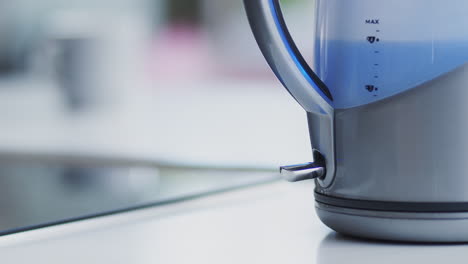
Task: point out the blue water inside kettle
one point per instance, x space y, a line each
361 72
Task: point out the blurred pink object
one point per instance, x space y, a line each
180 53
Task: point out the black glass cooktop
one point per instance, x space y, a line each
40 191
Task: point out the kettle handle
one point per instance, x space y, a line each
284 58
281 53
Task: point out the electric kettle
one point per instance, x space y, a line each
386 98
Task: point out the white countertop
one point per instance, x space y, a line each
273 223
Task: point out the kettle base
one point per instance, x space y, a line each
447 227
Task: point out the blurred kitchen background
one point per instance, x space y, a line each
109 104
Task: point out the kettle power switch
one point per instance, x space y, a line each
305 171
300 172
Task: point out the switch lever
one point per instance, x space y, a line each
306 171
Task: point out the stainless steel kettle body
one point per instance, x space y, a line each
394 168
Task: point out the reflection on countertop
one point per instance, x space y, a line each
336 248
